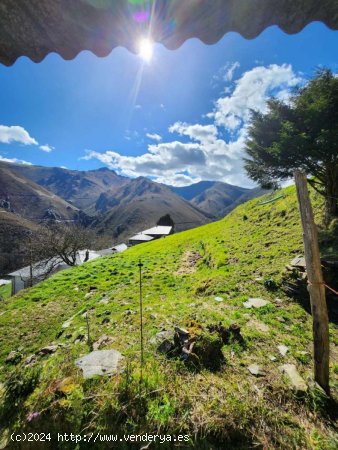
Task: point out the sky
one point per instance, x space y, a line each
180 118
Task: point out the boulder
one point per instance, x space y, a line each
99 362
50 349
159 337
13 357
102 342
296 381
255 303
283 349
256 370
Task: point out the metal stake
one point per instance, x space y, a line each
140 265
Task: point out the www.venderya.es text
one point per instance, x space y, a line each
98 437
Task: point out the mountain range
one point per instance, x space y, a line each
114 206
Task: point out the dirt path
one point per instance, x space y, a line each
189 262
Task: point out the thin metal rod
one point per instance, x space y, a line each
140 265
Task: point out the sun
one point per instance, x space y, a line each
146 49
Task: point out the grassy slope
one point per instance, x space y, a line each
229 405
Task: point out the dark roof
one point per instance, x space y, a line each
35 28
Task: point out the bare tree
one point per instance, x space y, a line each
51 244
65 241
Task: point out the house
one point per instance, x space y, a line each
27 276
158 231
119 248
140 239
151 234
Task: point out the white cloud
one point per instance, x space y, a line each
251 92
47 148
225 73
15 134
154 137
206 156
137 107
202 133
230 71
14 160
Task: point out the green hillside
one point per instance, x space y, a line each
239 257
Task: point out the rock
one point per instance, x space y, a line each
66 324
88 295
102 341
282 349
50 349
30 360
153 316
76 289
299 262
219 299
182 331
105 320
260 326
80 338
255 303
13 357
103 301
272 358
99 362
297 382
165 347
256 370
281 319
159 337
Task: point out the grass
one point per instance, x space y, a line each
5 291
239 257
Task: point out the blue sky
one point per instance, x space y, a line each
179 119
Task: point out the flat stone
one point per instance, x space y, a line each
256 370
297 382
283 349
299 261
30 360
102 341
260 326
47 350
104 301
13 357
255 303
159 337
99 362
219 299
182 331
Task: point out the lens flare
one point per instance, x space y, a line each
146 49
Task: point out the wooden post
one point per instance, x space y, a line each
316 286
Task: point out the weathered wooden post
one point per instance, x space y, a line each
316 285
